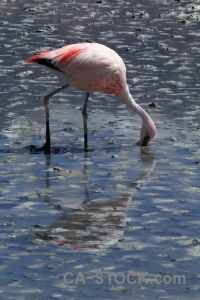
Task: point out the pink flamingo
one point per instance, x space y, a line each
91 67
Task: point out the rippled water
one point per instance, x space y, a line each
119 222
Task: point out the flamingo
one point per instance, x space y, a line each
91 67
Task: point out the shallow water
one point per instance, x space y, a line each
123 221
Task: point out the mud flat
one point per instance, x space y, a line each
119 222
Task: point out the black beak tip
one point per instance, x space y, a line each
144 142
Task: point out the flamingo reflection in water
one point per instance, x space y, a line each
95 224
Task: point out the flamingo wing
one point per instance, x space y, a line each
89 67
56 59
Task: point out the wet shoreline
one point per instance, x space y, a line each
118 208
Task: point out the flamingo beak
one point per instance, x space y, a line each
144 141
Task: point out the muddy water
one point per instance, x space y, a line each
123 221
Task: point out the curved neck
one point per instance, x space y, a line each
126 97
148 129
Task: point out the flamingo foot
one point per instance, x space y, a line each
45 148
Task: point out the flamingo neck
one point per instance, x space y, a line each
148 129
126 97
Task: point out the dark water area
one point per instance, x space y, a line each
118 222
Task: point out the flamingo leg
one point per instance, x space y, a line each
47 144
84 114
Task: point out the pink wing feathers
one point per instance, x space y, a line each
89 67
58 57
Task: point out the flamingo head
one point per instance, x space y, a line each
148 132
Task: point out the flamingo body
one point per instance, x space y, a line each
88 67
92 67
